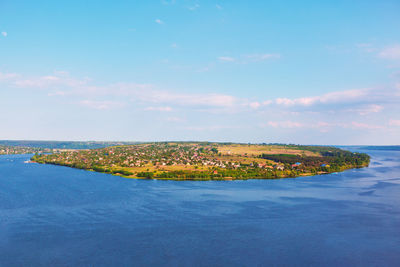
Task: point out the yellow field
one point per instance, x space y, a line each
152 168
242 159
256 150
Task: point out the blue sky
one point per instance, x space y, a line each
307 72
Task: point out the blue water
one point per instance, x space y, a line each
58 216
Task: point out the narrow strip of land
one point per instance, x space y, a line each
208 161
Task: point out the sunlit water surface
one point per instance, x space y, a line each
58 216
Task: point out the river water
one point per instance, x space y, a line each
58 216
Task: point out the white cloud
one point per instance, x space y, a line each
61 73
194 100
218 6
267 102
359 125
323 126
392 52
8 76
329 98
4 34
165 109
194 7
366 47
243 59
397 89
285 124
57 93
258 104
394 122
58 79
166 2
210 128
101 105
175 119
262 57
159 21
372 109
365 110
62 84
226 59
255 105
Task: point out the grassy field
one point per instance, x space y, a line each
256 150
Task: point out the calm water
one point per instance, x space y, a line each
57 216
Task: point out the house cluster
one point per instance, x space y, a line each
159 154
269 167
295 165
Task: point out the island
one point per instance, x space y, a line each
208 161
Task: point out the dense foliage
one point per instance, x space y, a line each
332 159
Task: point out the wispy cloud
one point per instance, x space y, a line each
262 57
366 47
168 2
391 52
244 59
367 109
58 79
210 128
218 6
259 104
333 97
4 34
175 119
159 21
226 59
101 105
394 122
57 93
285 124
181 99
360 125
254 105
8 76
322 125
61 83
163 109
194 7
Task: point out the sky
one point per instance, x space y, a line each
302 72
